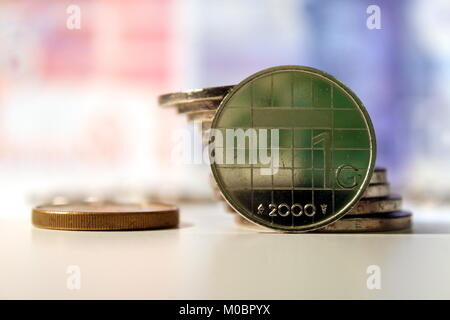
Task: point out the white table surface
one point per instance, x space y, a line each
210 257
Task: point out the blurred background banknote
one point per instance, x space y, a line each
78 103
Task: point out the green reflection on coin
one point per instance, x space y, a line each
297 148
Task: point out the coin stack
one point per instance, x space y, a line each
376 211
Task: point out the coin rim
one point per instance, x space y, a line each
171 213
372 141
201 115
381 174
376 190
193 96
368 203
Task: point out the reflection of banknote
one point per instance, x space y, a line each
53 115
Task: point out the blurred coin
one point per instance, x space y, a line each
377 191
194 96
105 216
394 221
205 105
320 124
200 115
376 205
379 176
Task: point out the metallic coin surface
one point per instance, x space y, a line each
379 176
394 221
204 105
194 96
292 148
105 216
200 115
377 190
364 206
376 205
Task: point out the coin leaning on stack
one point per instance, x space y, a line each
376 211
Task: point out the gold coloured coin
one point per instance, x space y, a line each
105 216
